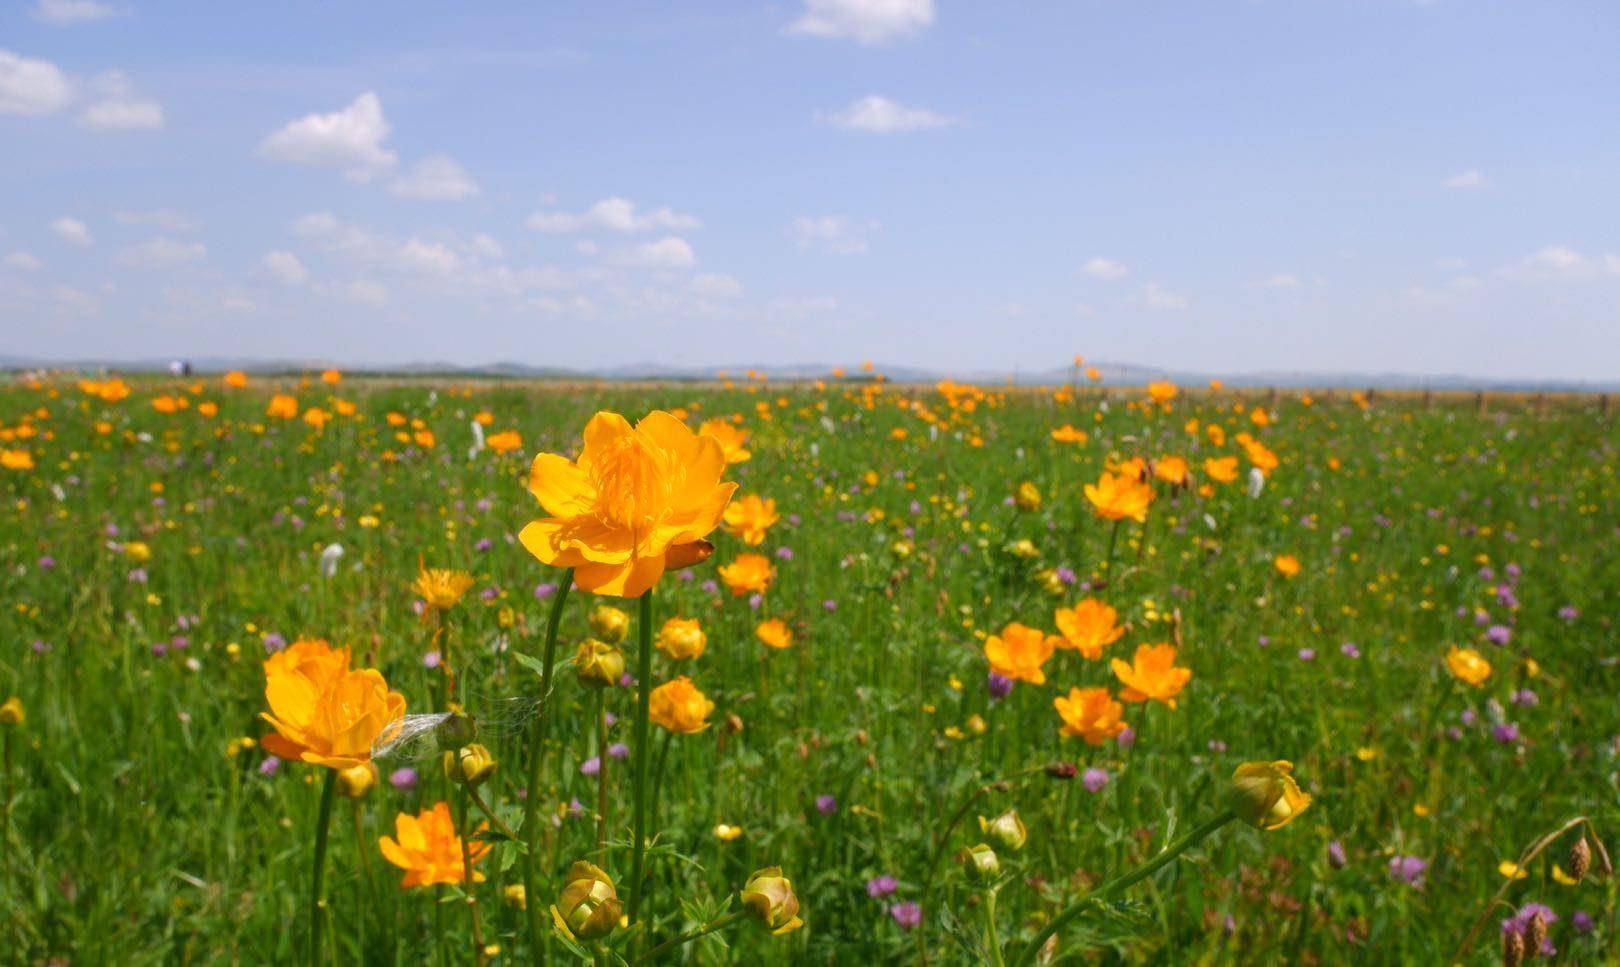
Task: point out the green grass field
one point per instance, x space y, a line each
152 560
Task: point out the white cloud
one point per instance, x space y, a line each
612 215
1281 281
716 286
1101 268
1556 258
436 257
435 178
32 88
23 261
1465 181
166 219
864 21
1451 263
65 13
1563 264
117 107
364 292
350 139
1155 296
284 268
76 300
72 231
795 308
666 253
487 247
162 251
833 234
879 115
315 224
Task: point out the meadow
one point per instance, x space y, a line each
904 687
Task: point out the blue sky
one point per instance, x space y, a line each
1226 185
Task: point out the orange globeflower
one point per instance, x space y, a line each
1162 391
505 441
1152 674
1287 565
1094 374
775 633
638 500
316 417
441 588
1221 469
1468 665
16 459
750 517
1088 628
682 638
428 848
424 438
282 407
208 408
331 377
327 715
749 572
733 441
1172 470
236 379
1260 456
679 707
312 658
1117 497
1067 433
1019 652
1090 714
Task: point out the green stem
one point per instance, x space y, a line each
638 854
467 876
1120 884
674 942
322 820
991 941
601 771
531 799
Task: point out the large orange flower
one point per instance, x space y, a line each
750 517
324 712
1116 497
428 848
1088 628
1152 674
679 707
1090 714
1019 652
637 501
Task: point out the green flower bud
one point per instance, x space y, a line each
588 907
1006 831
598 664
471 764
769 898
980 864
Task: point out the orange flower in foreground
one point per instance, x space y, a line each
1152 674
312 658
774 633
733 441
1287 565
1221 469
748 573
638 500
679 707
750 517
325 713
1088 628
428 848
1090 714
1117 497
1019 652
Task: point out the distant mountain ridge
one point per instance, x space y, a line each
1113 374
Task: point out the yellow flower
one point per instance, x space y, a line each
325 713
748 573
1512 870
282 407
1172 470
1162 391
733 441
471 764
1265 795
311 658
138 551
1088 628
768 897
1027 497
1090 714
1069 434
679 707
598 664
1260 455
441 588
1287 565
682 638
608 623
1468 665
638 500
331 377
1151 675
317 417
750 517
428 848
588 906
726 833
355 781
1019 652
1117 497
16 459
12 712
775 633
1221 469
236 379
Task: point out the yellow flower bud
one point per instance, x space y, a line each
356 781
138 552
980 863
515 895
769 898
1006 831
1265 795
1027 497
471 764
682 638
588 907
608 623
598 664
12 713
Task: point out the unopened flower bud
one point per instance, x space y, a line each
1006 831
12 713
515 895
980 864
1027 497
976 724
1062 771
471 764
457 730
355 781
608 623
598 664
768 897
1580 859
1265 795
588 907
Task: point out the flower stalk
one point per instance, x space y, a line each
316 901
638 854
537 749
